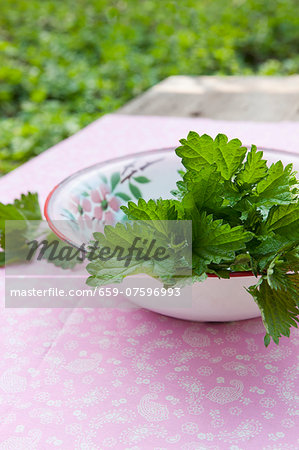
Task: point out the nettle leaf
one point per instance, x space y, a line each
14 241
255 169
291 260
206 192
28 205
232 194
25 210
215 241
253 219
230 155
8 212
276 187
267 247
196 150
278 277
204 188
201 150
63 262
284 220
122 236
278 309
180 191
241 263
220 273
152 210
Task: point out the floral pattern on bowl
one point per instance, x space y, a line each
92 198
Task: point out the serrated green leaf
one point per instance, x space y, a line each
152 210
276 188
122 236
284 220
28 205
229 155
215 241
241 263
255 169
278 309
220 273
203 188
8 212
180 191
291 260
201 150
267 247
25 210
231 193
63 262
196 150
283 272
267 339
253 219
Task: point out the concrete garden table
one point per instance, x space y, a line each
108 378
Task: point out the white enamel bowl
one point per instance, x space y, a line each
89 199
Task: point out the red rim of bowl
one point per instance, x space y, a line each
139 154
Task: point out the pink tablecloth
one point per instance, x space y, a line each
97 379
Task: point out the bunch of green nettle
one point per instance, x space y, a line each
245 217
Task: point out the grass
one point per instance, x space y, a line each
65 63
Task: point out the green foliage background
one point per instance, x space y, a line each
65 63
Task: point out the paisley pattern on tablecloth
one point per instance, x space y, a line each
100 378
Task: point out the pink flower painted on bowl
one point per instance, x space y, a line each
96 204
106 204
81 207
95 209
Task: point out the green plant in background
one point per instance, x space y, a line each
64 64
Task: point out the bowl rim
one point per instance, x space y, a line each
122 158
